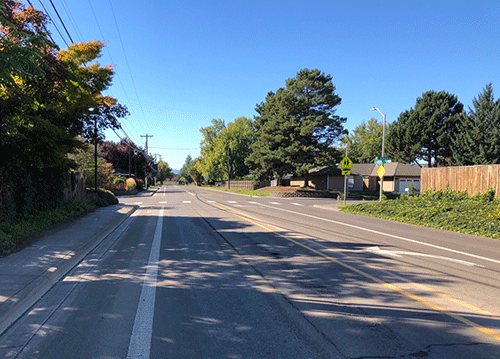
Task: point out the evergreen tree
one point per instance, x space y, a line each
477 141
296 126
426 131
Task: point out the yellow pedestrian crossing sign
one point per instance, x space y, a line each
346 172
346 163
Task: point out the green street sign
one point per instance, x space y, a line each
381 160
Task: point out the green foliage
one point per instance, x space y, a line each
164 171
296 126
426 131
225 148
103 198
365 143
477 141
12 235
449 210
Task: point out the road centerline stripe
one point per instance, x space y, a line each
140 342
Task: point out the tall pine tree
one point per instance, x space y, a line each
477 141
296 126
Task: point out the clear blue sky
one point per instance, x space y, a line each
180 64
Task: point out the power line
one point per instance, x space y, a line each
62 22
127 63
52 21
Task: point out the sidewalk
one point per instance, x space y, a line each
27 275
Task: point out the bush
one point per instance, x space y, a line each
104 197
117 180
14 235
130 184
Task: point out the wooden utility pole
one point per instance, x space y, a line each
147 160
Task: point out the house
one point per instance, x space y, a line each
363 177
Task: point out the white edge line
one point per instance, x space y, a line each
387 234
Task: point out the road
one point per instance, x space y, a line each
195 273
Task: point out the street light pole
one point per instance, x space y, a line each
91 109
383 150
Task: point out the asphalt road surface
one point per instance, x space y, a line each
194 273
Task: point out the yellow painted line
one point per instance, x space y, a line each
490 332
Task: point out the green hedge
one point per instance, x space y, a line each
13 235
449 210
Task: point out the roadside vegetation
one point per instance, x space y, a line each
449 210
16 235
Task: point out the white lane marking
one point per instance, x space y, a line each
211 202
386 234
192 194
377 250
274 202
186 201
140 342
232 202
137 202
297 204
162 202
253 202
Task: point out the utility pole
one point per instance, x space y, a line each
147 159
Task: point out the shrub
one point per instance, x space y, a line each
130 184
104 197
117 180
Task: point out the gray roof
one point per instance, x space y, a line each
369 169
398 169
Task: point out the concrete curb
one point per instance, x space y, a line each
25 298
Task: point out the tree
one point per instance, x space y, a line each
44 108
403 142
426 132
365 143
212 158
296 126
183 172
164 171
477 140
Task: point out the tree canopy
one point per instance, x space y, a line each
477 140
365 142
426 131
45 96
296 126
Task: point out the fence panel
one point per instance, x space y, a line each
473 179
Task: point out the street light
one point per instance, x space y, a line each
91 109
383 150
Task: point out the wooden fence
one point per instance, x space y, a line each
473 179
240 185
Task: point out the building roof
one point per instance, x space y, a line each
369 169
398 169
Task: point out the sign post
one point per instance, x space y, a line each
381 172
346 166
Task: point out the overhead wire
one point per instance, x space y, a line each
61 20
72 20
128 65
111 57
52 21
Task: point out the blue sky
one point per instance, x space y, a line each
180 64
